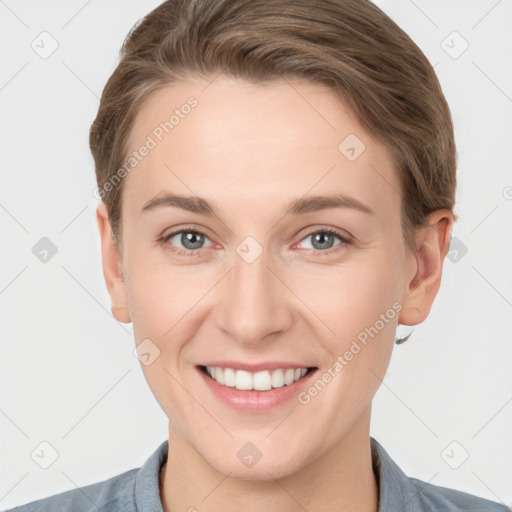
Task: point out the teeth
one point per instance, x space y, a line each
259 381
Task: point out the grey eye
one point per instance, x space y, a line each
189 240
321 240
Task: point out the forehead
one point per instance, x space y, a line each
229 139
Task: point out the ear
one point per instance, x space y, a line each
432 245
112 267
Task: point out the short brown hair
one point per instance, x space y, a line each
351 46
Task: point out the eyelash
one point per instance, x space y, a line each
183 252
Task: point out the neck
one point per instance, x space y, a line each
341 479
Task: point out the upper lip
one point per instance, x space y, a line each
255 367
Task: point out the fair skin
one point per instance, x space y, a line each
250 150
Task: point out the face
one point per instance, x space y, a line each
259 233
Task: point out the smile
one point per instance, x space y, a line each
257 381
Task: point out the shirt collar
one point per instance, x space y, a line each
396 492
147 481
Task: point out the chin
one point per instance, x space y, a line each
239 465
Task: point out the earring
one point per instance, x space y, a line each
399 341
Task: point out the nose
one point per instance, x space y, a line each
253 302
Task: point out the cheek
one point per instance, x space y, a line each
166 308
162 305
159 293
360 305
351 297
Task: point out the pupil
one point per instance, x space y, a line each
322 240
191 240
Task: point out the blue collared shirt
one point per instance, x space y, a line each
138 490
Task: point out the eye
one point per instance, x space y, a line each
325 239
186 241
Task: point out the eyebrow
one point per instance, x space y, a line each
189 203
298 206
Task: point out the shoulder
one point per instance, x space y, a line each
401 492
434 497
130 491
113 494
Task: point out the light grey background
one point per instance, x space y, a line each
68 375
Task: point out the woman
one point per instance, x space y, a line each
278 184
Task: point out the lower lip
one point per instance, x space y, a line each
256 401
